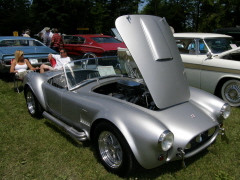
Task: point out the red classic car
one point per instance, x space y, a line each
97 45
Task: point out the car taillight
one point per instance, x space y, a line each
9 62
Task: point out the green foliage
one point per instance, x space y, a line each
66 15
196 15
99 15
14 16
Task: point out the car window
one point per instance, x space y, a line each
202 47
10 43
73 40
58 81
82 71
105 40
186 46
219 45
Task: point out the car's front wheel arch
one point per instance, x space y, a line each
112 149
33 105
218 88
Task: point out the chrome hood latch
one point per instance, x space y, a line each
181 154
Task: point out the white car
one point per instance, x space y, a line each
211 63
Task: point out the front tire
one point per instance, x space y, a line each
230 92
33 106
113 150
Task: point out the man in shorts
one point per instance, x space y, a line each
60 61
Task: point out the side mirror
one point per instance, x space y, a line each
209 55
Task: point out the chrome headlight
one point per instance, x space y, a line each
225 111
165 140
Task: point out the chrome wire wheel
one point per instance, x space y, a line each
30 102
110 149
231 92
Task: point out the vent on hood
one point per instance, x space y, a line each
155 42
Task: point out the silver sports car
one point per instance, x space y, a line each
136 108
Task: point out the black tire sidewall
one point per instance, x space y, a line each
127 162
38 108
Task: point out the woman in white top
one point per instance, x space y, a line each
20 65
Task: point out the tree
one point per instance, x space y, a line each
14 16
196 15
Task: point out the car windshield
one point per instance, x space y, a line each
105 40
80 72
19 43
220 45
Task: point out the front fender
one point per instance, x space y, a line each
141 131
207 102
34 81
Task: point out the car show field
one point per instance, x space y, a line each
35 149
112 115
119 90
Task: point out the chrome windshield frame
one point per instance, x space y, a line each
82 66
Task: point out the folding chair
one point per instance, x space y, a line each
18 82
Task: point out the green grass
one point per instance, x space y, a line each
35 149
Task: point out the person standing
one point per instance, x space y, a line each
46 37
27 34
40 37
56 41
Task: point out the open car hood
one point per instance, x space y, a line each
152 46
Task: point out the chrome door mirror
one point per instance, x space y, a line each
209 55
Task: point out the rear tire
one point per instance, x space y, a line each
33 106
230 92
113 150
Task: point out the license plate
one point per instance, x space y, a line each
33 61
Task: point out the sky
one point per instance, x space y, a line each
140 7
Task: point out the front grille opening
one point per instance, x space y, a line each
200 139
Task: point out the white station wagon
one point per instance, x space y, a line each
211 63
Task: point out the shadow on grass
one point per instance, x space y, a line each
6 77
63 133
167 168
141 173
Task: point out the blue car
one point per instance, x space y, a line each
35 51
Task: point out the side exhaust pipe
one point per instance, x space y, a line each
80 136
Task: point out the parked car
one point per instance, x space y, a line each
211 63
136 108
98 45
231 31
35 51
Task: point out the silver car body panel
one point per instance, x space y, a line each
84 107
157 58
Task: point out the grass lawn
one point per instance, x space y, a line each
35 149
